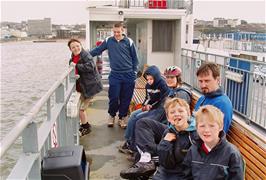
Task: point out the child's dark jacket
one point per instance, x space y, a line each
222 162
158 91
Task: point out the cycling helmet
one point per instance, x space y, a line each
172 71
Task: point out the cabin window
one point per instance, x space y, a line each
162 33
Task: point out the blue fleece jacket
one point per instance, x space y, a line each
222 102
122 54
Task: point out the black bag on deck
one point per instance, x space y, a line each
65 163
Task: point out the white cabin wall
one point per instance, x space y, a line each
141 42
160 59
131 32
180 40
190 23
87 42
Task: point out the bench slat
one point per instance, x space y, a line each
248 159
249 142
258 160
251 175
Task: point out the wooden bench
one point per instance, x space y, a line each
139 92
251 148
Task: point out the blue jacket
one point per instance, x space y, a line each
172 154
122 54
222 102
158 91
224 161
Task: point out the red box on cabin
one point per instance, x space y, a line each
157 4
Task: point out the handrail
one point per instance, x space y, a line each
9 139
224 56
238 81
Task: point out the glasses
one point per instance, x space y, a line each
170 77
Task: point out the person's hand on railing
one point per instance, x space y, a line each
77 76
72 64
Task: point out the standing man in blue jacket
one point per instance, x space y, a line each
123 63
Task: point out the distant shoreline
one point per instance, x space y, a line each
34 39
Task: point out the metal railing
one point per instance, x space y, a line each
245 88
154 4
37 137
149 4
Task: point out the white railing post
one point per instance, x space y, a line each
61 128
224 82
30 145
30 138
73 118
249 95
72 76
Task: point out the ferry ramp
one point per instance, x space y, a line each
101 145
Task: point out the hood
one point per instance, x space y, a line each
218 92
154 72
191 127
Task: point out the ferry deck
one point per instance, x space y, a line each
246 90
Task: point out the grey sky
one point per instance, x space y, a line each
72 12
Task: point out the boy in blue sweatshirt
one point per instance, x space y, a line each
123 63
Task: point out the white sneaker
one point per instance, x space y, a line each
123 122
111 121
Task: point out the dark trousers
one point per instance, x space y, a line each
121 87
148 134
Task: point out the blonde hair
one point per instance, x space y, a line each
170 102
214 114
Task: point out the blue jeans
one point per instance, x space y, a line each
135 115
154 114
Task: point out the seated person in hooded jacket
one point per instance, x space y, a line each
156 92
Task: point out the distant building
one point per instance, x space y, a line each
233 22
40 28
222 22
18 33
202 22
5 34
63 32
219 22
